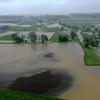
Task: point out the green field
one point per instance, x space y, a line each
90 57
55 37
17 28
6 37
15 95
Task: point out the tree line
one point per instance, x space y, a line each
32 38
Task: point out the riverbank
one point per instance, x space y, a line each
16 95
90 57
6 42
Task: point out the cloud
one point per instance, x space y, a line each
48 6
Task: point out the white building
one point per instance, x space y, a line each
53 26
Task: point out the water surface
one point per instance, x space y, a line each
19 60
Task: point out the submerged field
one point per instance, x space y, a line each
23 59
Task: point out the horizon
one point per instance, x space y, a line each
48 14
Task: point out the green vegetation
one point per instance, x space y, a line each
90 57
44 38
17 38
55 37
33 37
15 95
59 37
7 37
18 28
73 35
63 38
91 41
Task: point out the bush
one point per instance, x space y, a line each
44 38
16 38
91 41
73 35
63 38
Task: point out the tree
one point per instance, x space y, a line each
63 38
86 41
91 40
88 29
73 35
98 35
17 38
23 37
33 37
44 38
94 41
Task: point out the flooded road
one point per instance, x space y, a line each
18 60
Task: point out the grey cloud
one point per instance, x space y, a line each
48 6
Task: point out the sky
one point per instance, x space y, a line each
36 7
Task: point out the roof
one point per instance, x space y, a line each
56 25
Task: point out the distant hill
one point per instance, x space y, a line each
79 15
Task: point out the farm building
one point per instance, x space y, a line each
55 26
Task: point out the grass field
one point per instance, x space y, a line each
17 28
15 95
55 37
90 57
6 37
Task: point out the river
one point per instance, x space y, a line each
18 60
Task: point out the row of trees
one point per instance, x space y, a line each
91 40
91 28
32 37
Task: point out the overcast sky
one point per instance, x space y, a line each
49 6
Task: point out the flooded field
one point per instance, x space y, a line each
20 60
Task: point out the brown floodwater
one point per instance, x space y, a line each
19 60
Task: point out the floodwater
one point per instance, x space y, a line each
18 60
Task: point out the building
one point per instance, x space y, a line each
55 26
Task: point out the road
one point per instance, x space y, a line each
80 36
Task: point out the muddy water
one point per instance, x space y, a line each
19 60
